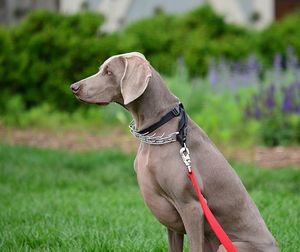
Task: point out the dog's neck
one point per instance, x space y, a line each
155 102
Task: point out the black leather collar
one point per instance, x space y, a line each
182 125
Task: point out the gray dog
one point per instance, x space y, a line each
129 80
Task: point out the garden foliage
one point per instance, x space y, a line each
48 51
44 54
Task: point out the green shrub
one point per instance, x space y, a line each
153 37
7 66
202 35
52 51
280 130
197 36
278 37
46 50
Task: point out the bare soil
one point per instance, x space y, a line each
276 157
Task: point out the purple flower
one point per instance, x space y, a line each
257 112
277 63
245 78
287 104
292 61
295 93
270 100
213 74
252 64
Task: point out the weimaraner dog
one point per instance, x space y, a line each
129 80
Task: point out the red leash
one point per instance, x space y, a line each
214 224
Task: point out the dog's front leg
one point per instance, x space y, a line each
175 241
193 220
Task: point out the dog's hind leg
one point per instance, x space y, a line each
175 241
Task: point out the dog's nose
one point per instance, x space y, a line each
75 87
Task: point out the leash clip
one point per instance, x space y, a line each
185 155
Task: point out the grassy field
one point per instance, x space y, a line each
61 201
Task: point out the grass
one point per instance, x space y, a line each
62 201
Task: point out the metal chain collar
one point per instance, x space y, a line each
152 139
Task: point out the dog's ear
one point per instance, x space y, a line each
135 79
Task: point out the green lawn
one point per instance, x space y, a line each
61 201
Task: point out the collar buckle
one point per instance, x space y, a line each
176 111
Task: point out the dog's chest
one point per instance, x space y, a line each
145 167
154 196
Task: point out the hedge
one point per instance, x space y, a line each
44 54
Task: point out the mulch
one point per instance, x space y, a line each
276 157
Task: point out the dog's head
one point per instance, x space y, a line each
121 78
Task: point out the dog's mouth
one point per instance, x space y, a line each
102 103
97 103
77 97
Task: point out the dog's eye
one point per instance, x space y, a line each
107 71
